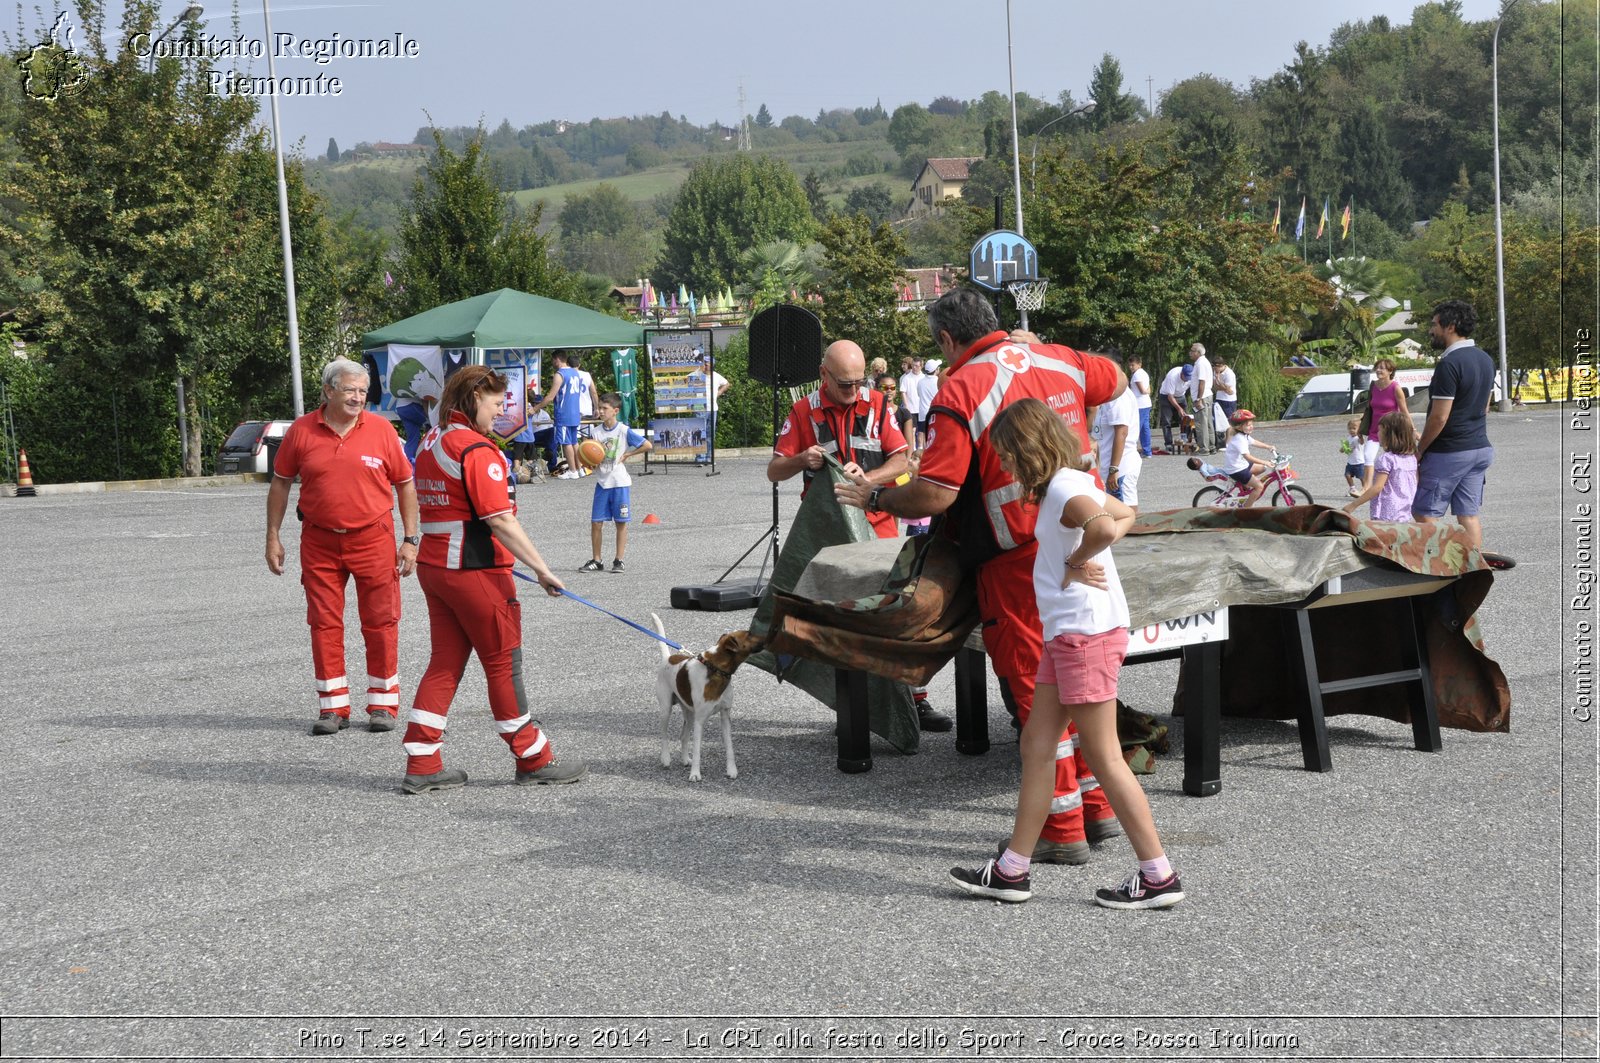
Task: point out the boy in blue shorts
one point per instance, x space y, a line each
611 480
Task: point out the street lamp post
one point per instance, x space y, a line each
1033 169
1504 405
191 13
283 226
1016 161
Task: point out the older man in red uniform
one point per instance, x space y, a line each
848 418
352 467
994 525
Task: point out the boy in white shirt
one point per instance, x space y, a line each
612 480
1116 432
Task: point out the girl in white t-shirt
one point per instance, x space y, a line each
1239 463
1085 618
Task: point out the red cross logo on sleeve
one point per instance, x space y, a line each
1014 359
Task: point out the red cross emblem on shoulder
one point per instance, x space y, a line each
1014 358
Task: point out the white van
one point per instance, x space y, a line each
1329 394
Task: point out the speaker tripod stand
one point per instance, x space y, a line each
785 351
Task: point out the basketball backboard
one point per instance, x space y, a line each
1001 256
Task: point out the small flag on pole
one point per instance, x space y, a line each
1277 215
1322 222
1345 222
1300 223
388 281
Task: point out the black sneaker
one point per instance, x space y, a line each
616 564
330 723
1140 892
592 566
931 719
445 779
987 881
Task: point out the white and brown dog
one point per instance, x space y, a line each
701 685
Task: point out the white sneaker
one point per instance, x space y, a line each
569 476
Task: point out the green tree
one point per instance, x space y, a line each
1131 260
910 129
1372 167
764 117
813 189
332 154
1296 116
1112 104
605 234
461 236
860 261
876 201
155 237
729 203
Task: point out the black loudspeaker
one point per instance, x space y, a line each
785 346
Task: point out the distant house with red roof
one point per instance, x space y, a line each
938 180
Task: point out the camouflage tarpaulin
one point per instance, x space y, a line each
1471 689
821 521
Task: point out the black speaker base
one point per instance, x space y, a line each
719 597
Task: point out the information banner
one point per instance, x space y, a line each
677 371
679 437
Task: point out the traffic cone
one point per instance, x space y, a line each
650 518
24 476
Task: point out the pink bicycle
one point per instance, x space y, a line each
1224 493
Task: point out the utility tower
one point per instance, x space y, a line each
744 120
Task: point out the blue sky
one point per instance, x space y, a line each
529 62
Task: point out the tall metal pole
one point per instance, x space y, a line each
283 226
1016 158
1504 405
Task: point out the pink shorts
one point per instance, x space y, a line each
1083 668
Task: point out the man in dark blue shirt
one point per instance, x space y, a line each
1454 451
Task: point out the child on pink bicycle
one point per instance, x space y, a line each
1238 463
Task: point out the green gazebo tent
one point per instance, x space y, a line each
508 318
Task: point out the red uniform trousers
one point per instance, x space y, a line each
1013 637
327 561
472 609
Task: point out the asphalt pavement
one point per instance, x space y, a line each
188 872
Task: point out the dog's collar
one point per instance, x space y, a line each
701 657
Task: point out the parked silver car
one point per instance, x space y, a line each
251 447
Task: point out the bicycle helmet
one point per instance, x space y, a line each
1242 415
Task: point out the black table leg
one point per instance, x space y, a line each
1313 726
1424 708
1202 719
855 744
972 701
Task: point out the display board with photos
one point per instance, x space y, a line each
680 368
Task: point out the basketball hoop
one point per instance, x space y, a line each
1027 292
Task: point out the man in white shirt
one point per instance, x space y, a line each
1116 432
1227 388
716 384
1139 384
1171 404
911 398
1201 394
927 390
586 397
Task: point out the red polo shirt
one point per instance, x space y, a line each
346 482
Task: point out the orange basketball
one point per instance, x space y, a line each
591 453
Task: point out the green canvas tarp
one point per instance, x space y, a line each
508 318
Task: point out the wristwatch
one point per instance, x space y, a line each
872 499
413 540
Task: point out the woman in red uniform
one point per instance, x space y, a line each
470 540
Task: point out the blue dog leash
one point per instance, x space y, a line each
614 616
